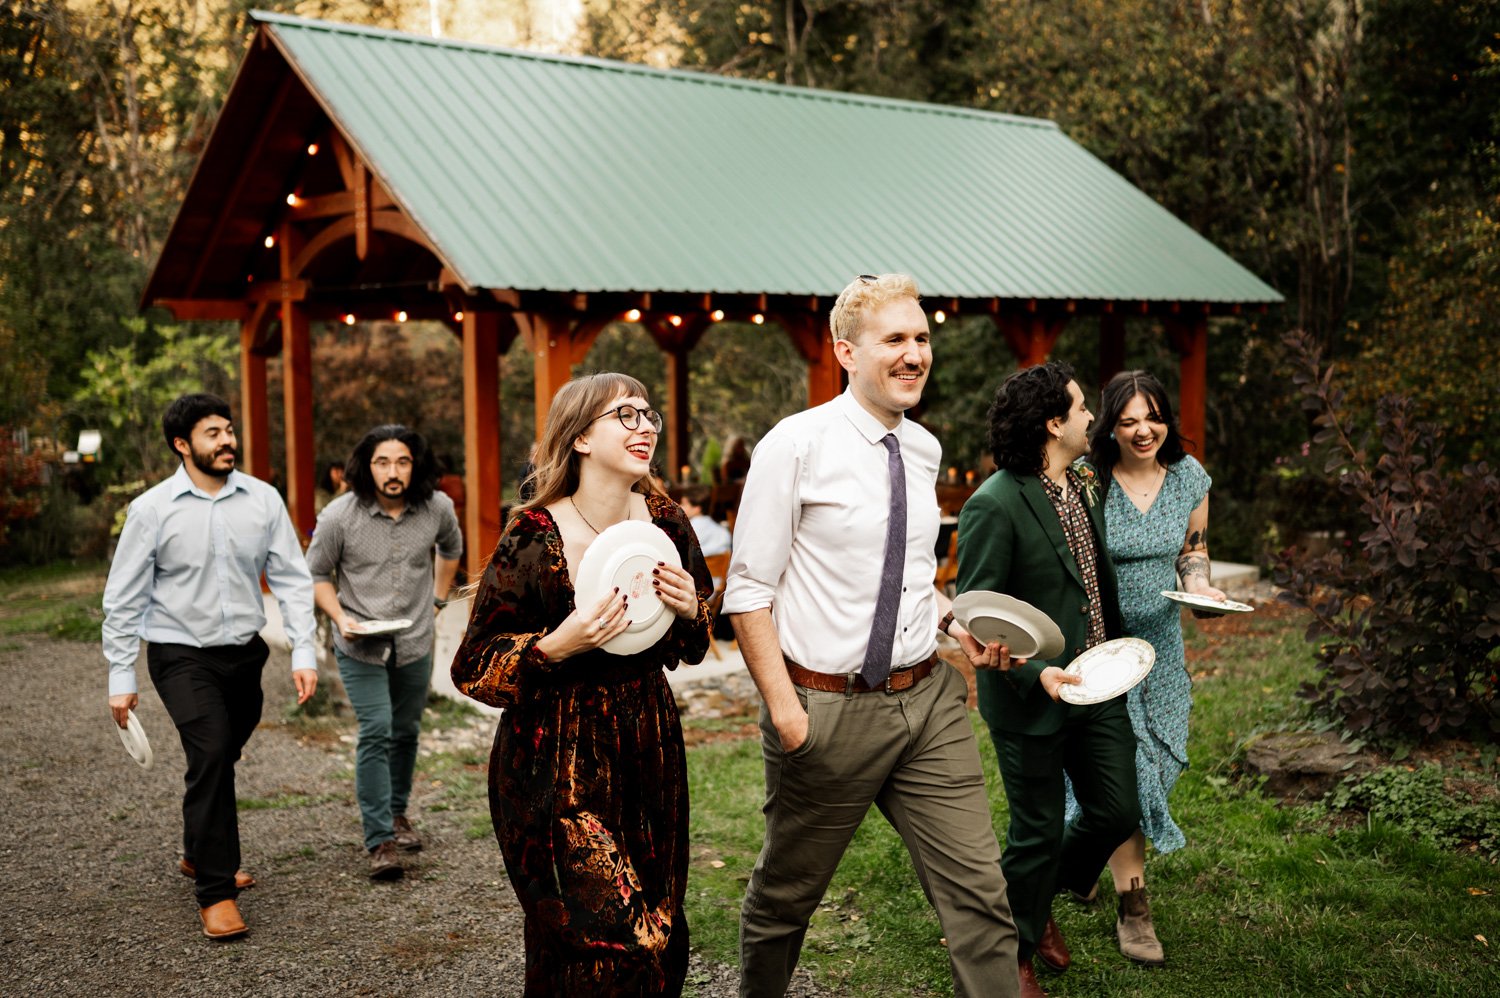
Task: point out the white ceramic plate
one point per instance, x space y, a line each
1204 603
133 737
1025 630
1108 670
369 628
624 556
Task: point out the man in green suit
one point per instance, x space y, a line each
1035 531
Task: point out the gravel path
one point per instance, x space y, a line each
91 902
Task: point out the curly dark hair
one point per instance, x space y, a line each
1018 416
424 473
1104 450
184 414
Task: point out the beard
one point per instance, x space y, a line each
393 489
205 462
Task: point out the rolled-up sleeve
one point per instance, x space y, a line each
127 594
450 540
326 548
291 584
770 505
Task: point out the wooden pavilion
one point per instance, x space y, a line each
362 174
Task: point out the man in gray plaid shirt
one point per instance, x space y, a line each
379 538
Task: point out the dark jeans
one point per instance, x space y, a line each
213 696
388 701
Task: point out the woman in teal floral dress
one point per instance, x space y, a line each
1156 514
588 776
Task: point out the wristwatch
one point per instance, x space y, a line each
946 622
439 603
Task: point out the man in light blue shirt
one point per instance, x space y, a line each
186 578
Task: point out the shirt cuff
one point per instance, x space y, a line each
121 682
304 658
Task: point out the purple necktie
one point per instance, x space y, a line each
883 630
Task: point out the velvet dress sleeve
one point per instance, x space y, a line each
499 652
687 640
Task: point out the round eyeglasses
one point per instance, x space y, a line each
630 417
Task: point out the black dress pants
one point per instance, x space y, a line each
214 698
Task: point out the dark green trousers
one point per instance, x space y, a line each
1096 748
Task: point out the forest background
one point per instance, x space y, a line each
1345 151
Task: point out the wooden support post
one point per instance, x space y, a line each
253 428
1190 338
552 348
297 396
679 408
1031 337
825 375
481 361
1111 346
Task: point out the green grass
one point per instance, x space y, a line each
278 802
61 600
1264 900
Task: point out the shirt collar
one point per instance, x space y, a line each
182 482
1054 490
868 426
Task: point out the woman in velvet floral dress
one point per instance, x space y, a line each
588 778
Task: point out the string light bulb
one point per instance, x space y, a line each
293 200
634 315
348 318
270 241
675 320
940 317
401 315
717 315
312 148
758 319
458 316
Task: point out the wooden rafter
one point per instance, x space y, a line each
226 209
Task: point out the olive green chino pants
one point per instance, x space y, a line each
913 755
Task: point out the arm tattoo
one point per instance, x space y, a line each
1198 540
1193 563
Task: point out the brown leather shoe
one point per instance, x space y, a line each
407 839
222 920
1029 986
383 862
241 878
1051 949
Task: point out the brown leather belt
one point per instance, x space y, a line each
898 680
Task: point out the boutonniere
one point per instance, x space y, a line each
1088 481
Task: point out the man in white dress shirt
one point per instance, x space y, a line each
830 591
186 578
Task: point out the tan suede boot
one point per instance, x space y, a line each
1133 927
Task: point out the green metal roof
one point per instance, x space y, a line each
544 172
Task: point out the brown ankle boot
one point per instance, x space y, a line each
1133 927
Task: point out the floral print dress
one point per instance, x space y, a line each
588 775
1144 547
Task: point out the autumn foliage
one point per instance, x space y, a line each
1408 617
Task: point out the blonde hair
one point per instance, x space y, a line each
865 294
574 409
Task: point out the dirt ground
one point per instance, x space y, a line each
91 902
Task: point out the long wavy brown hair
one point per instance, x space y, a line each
574 409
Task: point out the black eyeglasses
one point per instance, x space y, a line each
868 278
630 417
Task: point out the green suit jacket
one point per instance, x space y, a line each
1010 540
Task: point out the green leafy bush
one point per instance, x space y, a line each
1428 802
1409 616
